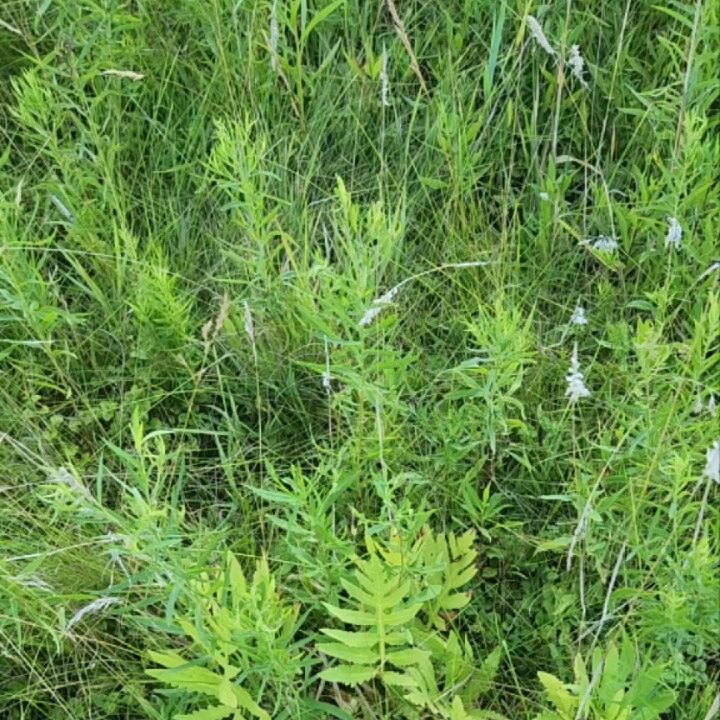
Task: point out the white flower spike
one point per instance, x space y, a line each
537 32
578 316
673 239
94 607
712 468
605 243
577 64
378 305
576 388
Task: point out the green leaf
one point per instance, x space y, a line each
558 693
348 674
226 695
398 679
410 656
364 656
351 617
197 679
167 658
245 701
319 17
354 639
402 616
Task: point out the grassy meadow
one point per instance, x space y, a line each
359 359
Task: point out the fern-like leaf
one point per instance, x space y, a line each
383 610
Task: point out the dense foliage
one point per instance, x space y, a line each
359 359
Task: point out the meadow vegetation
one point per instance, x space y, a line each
359 359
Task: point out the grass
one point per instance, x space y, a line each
199 202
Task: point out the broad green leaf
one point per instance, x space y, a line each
167 658
348 674
363 656
354 639
411 656
402 616
398 679
194 678
352 617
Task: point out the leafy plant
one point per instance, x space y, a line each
396 587
617 689
244 630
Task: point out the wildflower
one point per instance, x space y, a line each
94 607
274 37
377 306
544 196
674 234
711 406
712 468
605 243
577 64
384 82
578 316
537 32
576 388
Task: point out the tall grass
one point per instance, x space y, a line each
200 202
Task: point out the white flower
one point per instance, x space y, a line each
605 243
698 406
674 234
539 36
544 196
711 406
576 382
577 64
93 607
384 82
377 306
578 316
712 468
